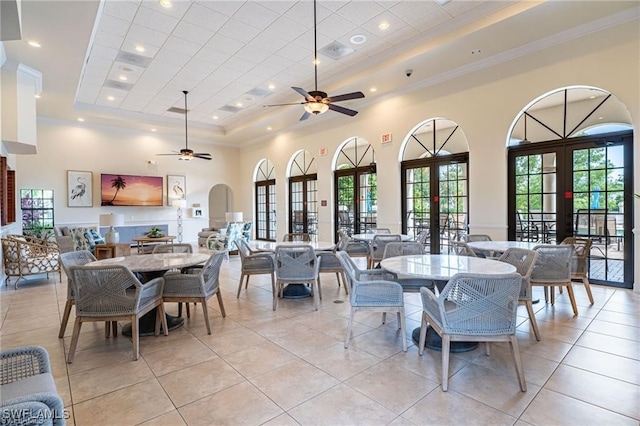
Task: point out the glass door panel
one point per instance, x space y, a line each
266 210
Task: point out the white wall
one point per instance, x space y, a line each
484 104
63 146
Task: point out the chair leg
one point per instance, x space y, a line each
163 320
276 294
74 340
346 284
572 298
349 327
552 290
446 343
114 328
423 335
159 312
107 329
316 294
403 329
180 309
240 284
587 286
188 310
532 319
384 317
206 315
487 348
513 344
319 285
546 294
135 337
398 316
220 303
65 318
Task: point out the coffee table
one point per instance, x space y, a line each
142 240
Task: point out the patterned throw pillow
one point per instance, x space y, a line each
79 238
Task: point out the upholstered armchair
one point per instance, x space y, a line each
24 255
226 242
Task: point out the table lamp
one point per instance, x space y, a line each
179 204
234 217
111 220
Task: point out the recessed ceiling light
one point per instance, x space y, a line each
123 78
269 128
215 117
140 49
358 39
38 96
154 130
316 61
383 25
238 104
80 119
166 3
272 86
592 97
34 43
373 89
110 98
600 118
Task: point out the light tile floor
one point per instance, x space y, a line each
290 367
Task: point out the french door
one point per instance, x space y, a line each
266 210
435 191
357 199
577 187
303 204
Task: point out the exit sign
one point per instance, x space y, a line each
385 138
323 151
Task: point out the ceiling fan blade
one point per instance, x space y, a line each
304 93
169 154
305 116
346 97
202 153
343 110
292 103
202 156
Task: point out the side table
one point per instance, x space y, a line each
107 251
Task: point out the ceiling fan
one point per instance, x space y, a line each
316 101
186 153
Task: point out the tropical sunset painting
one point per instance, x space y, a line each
128 190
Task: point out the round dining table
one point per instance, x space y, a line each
501 246
440 268
147 267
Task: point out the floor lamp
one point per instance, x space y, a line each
179 204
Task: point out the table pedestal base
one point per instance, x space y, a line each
147 324
296 291
434 342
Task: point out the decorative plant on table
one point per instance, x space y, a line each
154 232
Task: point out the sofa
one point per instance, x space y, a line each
24 255
77 238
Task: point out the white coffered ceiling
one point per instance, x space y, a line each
237 56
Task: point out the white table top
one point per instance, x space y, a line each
501 246
155 262
271 245
369 236
443 266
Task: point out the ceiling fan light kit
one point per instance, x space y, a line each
185 153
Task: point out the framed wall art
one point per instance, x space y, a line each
176 188
130 190
79 189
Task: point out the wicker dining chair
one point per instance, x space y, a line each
382 230
254 264
69 259
28 394
406 248
355 248
580 261
473 307
102 294
470 238
197 287
462 249
297 237
524 260
329 263
296 264
172 248
378 244
553 269
370 291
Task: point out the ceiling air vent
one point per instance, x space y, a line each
176 110
230 108
259 93
132 59
336 50
114 84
